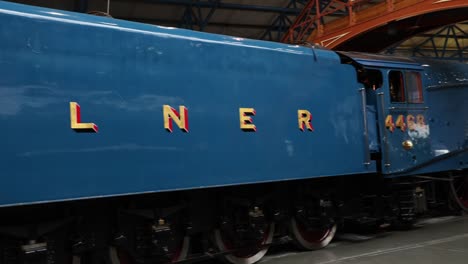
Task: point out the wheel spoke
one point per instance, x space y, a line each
311 239
460 192
252 253
76 260
113 256
182 252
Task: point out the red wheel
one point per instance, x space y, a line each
251 253
76 260
459 187
120 257
114 256
182 252
311 239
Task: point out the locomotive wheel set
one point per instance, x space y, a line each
128 143
230 223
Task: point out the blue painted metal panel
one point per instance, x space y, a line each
440 141
121 73
371 115
447 99
443 145
399 159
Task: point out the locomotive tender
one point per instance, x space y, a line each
132 143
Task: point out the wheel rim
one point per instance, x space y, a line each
114 257
121 257
76 260
245 256
311 239
462 191
459 187
182 252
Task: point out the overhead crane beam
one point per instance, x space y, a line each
312 17
80 6
362 16
229 6
197 15
282 22
428 48
177 22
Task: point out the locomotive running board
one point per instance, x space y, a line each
213 255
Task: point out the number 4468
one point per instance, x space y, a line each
411 122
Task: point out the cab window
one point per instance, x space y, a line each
371 78
414 87
405 87
397 87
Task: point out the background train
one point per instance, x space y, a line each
130 143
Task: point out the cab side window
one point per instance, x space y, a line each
397 87
371 78
414 87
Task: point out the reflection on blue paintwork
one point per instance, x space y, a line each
122 73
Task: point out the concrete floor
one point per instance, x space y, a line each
442 241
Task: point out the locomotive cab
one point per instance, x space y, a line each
402 120
399 135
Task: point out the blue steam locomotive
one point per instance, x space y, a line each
131 143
